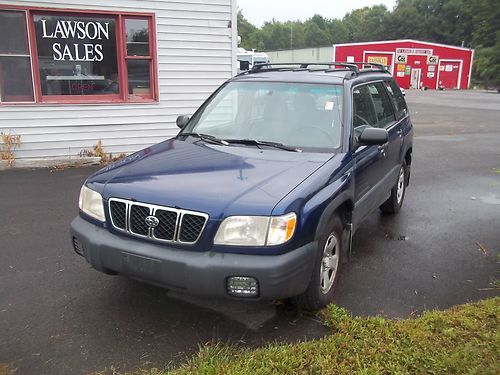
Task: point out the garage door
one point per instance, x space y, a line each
449 74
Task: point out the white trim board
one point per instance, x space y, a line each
401 41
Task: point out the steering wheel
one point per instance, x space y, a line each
363 120
322 131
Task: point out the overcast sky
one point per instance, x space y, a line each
258 11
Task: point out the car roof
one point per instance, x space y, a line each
311 75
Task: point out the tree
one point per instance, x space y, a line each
472 23
314 36
245 30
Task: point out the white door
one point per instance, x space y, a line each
415 78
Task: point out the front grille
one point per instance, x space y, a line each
168 222
119 210
138 215
191 226
171 225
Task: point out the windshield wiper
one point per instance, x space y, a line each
257 143
207 138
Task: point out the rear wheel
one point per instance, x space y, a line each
326 269
395 201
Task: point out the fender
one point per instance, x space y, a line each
346 197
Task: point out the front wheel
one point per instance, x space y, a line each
395 201
326 269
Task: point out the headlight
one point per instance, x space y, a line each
90 202
256 230
281 229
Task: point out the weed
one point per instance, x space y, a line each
99 152
6 369
9 144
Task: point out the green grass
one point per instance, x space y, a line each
462 340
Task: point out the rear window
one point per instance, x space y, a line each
397 98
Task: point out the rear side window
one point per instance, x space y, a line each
397 99
382 104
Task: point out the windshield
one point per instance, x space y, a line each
260 60
306 116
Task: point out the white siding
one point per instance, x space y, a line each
196 52
302 55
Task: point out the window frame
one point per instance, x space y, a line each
122 97
29 55
151 58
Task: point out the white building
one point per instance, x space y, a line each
302 55
73 72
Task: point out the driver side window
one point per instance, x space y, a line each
364 114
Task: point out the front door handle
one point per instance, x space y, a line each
383 147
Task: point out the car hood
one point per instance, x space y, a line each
218 180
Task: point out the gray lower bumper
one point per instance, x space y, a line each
198 273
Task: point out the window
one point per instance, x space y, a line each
16 84
76 57
364 112
372 107
307 116
138 56
397 99
382 104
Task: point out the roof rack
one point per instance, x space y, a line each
331 67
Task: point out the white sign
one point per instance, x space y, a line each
432 68
400 74
431 59
401 58
430 75
414 51
448 68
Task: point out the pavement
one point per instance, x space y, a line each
59 316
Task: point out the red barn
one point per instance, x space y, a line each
414 64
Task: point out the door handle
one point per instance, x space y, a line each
383 147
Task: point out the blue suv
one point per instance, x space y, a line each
259 194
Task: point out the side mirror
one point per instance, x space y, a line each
182 121
373 136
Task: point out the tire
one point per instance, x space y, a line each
326 269
395 202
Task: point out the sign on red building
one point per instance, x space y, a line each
414 64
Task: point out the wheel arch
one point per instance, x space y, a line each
342 206
407 155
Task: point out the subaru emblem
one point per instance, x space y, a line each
152 221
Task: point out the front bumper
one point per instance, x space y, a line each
197 273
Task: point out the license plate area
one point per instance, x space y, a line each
139 265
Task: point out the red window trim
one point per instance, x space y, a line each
126 57
123 96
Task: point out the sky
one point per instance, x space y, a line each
258 11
